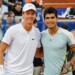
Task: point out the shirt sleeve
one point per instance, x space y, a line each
8 38
39 44
71 39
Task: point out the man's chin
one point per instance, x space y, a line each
30 23
50 27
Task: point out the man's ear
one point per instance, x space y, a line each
22 14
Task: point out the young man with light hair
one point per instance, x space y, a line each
20 43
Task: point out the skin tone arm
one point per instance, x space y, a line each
3 47
39 53
72 61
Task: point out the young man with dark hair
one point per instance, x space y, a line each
54 40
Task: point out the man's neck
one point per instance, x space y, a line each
27 27
53 31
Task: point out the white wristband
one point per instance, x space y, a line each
1 69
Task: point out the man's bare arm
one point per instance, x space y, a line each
3 47
39 53
72 61
72 47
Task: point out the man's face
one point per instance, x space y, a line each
29 16
18 8
9 20
50 20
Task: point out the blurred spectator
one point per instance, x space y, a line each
9 22
72 11
35 3
3 8
11 13
65 26
17 9
12 3
5 2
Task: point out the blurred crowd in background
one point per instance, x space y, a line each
10 14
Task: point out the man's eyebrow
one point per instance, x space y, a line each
50 17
